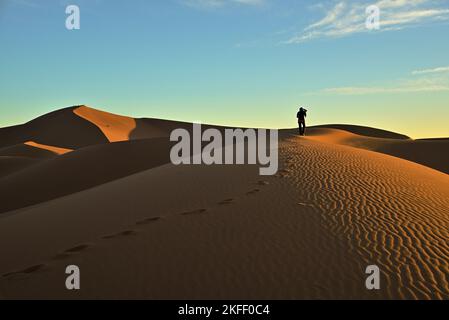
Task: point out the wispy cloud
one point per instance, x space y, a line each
434 70
220 3
348 17
390 90
429 83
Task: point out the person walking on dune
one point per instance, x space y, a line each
301 115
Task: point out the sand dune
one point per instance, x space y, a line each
82 126
121 128
139 227
80 170
61 128
145 145
431 153
307 233
392 212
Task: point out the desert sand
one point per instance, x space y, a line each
85 187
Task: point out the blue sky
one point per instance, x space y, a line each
235 62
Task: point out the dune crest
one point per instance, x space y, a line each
365 131
116 128
428 152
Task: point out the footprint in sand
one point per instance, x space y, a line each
120 234
29 270
226 202
199 211
77 249
147 221
262 183
249 193
69 252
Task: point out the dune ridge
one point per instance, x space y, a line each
114 127
365 131
61 128
428 152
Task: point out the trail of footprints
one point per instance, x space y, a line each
126 233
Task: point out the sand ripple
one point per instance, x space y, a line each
391 212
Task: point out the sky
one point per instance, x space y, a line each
245 63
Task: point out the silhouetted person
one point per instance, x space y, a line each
301 115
